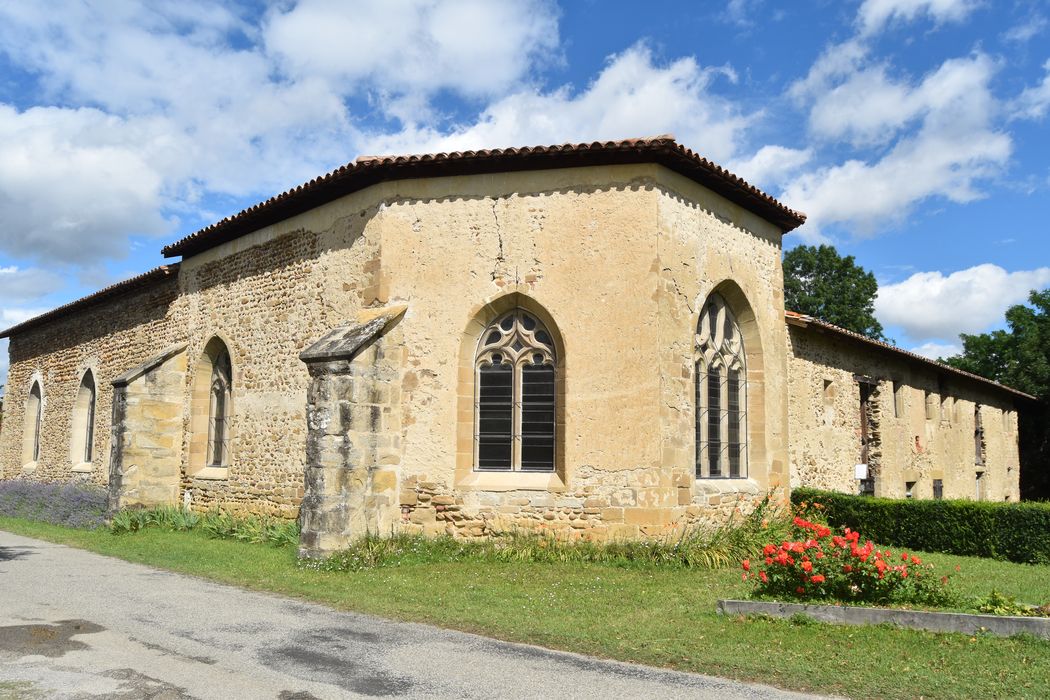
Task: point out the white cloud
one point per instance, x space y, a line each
955 146
155 106
1034 101
21 285
936 351
837 61
474 47
875 15
70 179
932 306
1027 30
870 107
632 96
771 165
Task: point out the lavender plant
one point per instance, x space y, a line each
68 504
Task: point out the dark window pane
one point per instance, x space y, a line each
495 416
89 436
494 337
543 337
698 433
734 423
714 421
218 431
537 418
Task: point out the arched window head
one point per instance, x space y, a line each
721 393
514 414
82 442
219 410
33 417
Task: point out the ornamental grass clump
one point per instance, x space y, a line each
818 564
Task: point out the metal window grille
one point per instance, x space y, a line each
219 411
938 488
721 394
515 396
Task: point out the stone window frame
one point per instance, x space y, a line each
33 421
898 387
200 464
980 455
83 419
510 341
721 350
479 319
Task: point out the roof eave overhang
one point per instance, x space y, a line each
366 173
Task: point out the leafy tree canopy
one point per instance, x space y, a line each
821 283
1018 357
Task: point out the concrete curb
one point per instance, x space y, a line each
999 625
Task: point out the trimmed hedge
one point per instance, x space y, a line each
1017 532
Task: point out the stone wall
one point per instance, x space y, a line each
824 421
577 248
266 301
353 441
146 445
108 338
615 261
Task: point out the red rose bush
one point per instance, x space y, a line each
821 565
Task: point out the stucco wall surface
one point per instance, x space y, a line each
709 245
824 422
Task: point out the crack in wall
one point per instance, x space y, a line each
500 259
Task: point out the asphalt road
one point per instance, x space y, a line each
79 625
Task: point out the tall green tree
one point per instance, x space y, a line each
1020 357
821 283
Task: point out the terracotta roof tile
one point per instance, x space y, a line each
804 320
128 286
370 170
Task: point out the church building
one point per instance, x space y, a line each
588 339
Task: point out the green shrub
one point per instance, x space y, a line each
1018 532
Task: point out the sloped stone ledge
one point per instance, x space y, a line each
999 625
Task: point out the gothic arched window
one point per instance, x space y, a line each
82 443
219 410
514 410
34 415
721 394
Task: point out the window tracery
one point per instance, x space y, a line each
721 393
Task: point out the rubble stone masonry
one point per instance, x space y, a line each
615 260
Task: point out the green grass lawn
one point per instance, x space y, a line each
657 616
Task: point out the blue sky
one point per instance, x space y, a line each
914 133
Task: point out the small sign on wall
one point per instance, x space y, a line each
860 472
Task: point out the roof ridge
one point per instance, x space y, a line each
115 289
369 170
807 318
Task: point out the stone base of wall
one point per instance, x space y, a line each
603 511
